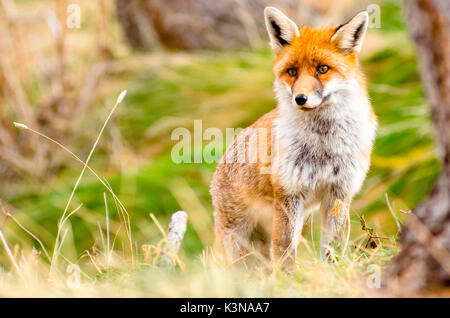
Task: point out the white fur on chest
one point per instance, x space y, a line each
325 146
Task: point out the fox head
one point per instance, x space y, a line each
315 66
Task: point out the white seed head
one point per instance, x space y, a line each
121 96
19 125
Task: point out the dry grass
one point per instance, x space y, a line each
116 276
104 271
48 79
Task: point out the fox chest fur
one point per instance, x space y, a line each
330 146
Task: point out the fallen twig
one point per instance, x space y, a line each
177 228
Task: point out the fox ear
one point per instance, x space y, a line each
281 29
350 36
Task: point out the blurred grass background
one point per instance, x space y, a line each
167 90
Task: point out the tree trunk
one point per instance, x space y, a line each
424 260
202 24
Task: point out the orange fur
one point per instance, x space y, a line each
242 195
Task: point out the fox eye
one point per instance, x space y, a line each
322 69
292 72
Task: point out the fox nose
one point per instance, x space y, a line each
301 99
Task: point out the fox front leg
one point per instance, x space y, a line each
286 230
334 208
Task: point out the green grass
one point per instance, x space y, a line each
403 156
392 17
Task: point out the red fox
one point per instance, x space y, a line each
319 140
